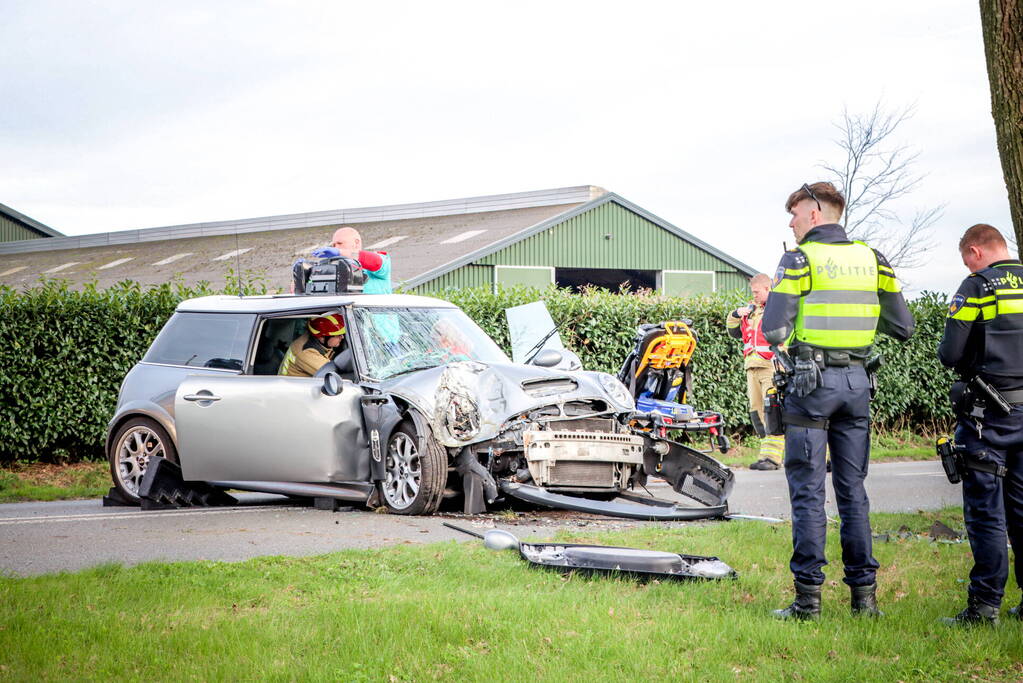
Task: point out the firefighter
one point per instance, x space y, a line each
983 342
314 349
744 324
830 297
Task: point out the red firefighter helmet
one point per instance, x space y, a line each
327 326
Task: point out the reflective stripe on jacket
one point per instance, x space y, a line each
841 292
984 329
753 340
305 357
841 308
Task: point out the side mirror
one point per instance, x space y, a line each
547 358
332 384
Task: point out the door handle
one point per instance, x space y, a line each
201 397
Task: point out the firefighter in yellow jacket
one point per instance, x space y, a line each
744 324
315 348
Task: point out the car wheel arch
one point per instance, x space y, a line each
161 417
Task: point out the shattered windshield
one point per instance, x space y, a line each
402 340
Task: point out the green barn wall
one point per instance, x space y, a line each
582 242
11 231
467 276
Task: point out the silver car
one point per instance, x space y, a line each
418 406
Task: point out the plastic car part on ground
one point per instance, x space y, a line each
600 559
645 511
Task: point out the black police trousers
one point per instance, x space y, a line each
843 398
993 505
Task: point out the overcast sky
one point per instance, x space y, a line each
119 115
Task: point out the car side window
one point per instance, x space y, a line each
205 340
276 335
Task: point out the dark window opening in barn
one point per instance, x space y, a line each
605 278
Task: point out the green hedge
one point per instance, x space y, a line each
912 383
63 354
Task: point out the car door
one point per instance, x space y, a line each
269 428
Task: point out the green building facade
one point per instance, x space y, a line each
605 242
15 226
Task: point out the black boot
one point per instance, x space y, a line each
976 612
1017 611
864 601
807 604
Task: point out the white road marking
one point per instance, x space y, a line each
387 242
100 516
232 254
116 263
172 259
60 268
12 271
463 236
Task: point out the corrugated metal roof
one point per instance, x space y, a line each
270 253
268 246
372 214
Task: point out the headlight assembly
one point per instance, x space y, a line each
461 417
616 390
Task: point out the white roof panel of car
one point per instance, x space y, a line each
291 302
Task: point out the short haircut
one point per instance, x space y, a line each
981 235
760 278
826 193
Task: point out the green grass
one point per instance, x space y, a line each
888 446
20 483
460 612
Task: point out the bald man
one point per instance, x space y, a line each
376 264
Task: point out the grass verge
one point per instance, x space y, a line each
38 481
460 612
889 446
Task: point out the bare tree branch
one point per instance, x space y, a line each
876 172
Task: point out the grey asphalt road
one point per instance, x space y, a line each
37 538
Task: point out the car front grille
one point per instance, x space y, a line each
576 473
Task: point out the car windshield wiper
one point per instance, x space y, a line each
414 368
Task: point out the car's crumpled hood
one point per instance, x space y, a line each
495 389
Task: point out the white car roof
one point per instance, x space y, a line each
275 303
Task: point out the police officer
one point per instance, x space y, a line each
984 338
830 297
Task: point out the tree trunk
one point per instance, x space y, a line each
1002 22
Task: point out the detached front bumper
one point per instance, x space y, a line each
652 512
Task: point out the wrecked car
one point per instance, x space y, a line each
418 407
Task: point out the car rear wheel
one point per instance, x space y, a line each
414 477
138 440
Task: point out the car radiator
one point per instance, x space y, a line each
586 460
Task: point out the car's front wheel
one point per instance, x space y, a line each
138 440
414 477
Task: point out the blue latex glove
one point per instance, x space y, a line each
326 252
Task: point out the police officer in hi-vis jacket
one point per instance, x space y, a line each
830 297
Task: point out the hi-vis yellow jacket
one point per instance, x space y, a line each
833 293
